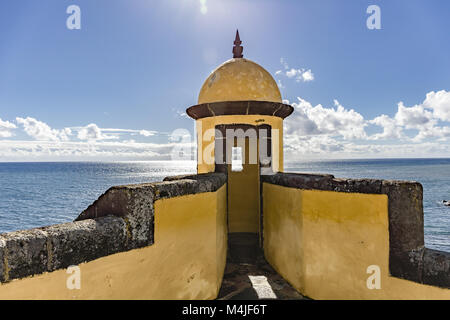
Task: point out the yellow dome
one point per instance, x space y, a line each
239 79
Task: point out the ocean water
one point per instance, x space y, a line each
45 193
41 194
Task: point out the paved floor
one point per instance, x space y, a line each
248 276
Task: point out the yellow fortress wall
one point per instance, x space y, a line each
186 260
322 242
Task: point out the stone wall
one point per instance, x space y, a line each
121 219
408 257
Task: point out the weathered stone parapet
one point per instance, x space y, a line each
208 181
126 199
121 219
436 268
406 228
408 258
23 253
30 252
325 182
135 202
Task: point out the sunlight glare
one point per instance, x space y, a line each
203 7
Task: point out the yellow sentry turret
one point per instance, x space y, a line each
239 120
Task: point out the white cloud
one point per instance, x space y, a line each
284 63
52 144
308 75
91 132
423 119
390 129
41 131
312 131
5 128
182 114
299 75
94 132
441 133
147 133
317 120
296 145
413 117
13 150
339 132
292 73
439 102
115 130
280 85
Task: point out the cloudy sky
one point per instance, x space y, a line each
117 88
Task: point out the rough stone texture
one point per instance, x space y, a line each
2 261
25 254
81 241
408 258
325 182
31 252
369 186
120 220
207 181
134 203
125 200
406 235
436 268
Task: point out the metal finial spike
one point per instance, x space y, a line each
238 39
237 49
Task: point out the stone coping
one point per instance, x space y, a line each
226 108
121 219
408 257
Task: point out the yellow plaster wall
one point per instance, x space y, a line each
186 261
322 242
243 197
205 148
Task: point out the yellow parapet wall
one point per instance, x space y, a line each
323 243
186 261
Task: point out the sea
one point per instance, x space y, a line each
45 193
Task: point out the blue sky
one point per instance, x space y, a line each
117 87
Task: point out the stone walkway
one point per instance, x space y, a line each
248 276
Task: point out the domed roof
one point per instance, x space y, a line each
239 79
